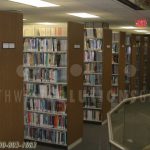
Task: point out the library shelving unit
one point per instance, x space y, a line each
11 83
53 83
133 68
146 64
122 62
115 68
127 64
118 65
97 73
139 64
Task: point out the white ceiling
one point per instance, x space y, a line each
110 11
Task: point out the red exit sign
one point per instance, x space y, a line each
141 23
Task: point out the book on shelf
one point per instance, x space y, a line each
45 105
45 90
45 44
93 67
45 75
45 59
45 120
128 40
115 36
46 135
93 79
114 91
90 102
114 69
115 80
40 30
91 56
95 44
92 115
94 33
92 91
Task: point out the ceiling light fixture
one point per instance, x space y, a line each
128 27
35 3
83 15
24 19
45 23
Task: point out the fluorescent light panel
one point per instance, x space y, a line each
83 15
35 3
141 31
45 23
128 27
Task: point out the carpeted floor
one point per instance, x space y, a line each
95 138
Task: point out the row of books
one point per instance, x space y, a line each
45 44
94 32
44 105
95 44
92 91
45 74
46 30
45 59
92 79
45 135
93 67
92 115
128 40
114 79
45 90
115 47
45 120
115 69
114 91
90 56
115 36
128 50
90 102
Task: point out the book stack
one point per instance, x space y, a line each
93 69
115 68
45 89
128 51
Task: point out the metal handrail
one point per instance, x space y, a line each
110 132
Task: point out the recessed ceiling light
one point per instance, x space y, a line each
83 15
128 27
141 31
35 3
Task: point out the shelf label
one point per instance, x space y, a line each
76 46
8 45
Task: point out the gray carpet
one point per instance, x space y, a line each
95 138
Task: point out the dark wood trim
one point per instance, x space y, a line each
107 72
121 78
11 81
75 83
